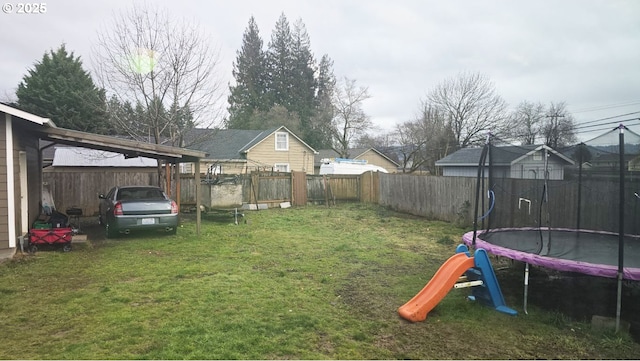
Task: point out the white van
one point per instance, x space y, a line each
348 166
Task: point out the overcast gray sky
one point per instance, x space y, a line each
584 52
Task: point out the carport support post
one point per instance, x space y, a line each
198 186
176 173
167 172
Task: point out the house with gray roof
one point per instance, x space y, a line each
236 151
524 162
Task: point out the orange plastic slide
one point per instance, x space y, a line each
445 278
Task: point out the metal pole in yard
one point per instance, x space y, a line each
581 151
198 196
620 229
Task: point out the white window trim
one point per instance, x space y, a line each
286 165
286 148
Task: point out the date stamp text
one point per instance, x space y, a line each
24 8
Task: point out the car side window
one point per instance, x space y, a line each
110 194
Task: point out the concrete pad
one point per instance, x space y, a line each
253 207
79 238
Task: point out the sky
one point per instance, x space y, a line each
585 53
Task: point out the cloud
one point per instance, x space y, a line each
583 52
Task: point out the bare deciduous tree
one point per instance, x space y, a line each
527 122
425 140
471 106
349 119
411 146
167 67
558 126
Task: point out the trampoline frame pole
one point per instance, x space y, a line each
479 184
620 230
580 156
526 287
546 197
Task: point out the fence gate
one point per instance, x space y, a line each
369 187
299 188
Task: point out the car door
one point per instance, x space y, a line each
105 205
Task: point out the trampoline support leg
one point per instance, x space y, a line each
619 302
526 286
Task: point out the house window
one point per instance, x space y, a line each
281 167
282 141
214 169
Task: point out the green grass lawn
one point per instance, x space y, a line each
300 283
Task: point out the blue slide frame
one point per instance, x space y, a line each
489 292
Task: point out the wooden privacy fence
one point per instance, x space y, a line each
298 188
80 187
518 202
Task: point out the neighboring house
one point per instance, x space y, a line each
525 162
634 164
235 151
606 159
371 155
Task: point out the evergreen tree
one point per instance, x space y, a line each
283 85
60 89
248 95
280 64
303 82
319 135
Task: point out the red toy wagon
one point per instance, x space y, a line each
51 236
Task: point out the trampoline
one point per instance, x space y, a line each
588 252
600 253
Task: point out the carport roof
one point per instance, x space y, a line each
130 148
47 130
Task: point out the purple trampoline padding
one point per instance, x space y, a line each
588 252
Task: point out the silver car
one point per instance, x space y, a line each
131 208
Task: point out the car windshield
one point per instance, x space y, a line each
139 193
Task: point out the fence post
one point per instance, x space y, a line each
255 187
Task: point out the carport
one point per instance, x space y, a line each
21 162
130 149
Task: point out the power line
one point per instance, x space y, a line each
583 126
603 129
607 118
578 130
608 106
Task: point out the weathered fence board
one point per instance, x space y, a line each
80 188
518 202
